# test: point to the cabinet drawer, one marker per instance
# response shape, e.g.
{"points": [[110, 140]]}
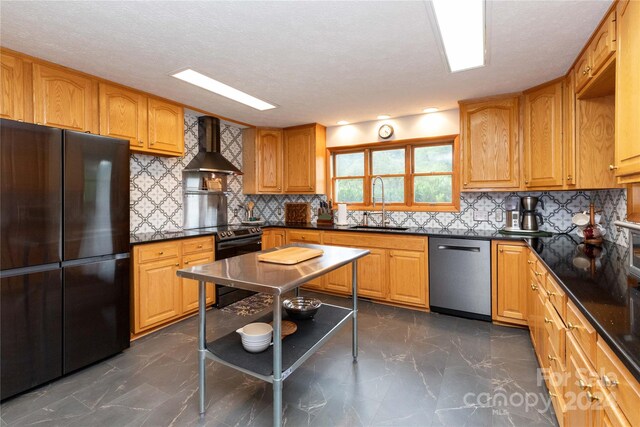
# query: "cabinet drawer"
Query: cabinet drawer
{"points": [[382, 241], [304, 236], [557, 399], [532, 260], [158, 251], [582, 331], [555, 330], [611, 416], [557, 296], [617, 380], [201, 244]]}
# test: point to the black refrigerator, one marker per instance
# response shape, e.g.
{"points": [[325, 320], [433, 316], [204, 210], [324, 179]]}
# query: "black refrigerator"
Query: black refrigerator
{"points": [[64, 270]]}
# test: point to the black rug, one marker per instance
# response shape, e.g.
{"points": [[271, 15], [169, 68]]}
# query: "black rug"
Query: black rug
{"points": [[250, 305]]}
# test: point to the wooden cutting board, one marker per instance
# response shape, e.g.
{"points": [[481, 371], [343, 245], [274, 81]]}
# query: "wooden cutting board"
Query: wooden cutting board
{"points": [[292, 255]]}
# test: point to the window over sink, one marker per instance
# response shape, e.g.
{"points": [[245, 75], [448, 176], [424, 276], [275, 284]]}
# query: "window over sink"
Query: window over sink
{"points": [[418, 175]]}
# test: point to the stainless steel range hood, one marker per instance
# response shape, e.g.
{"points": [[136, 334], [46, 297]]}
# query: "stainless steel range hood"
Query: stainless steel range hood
{"points": [[209, 158]]}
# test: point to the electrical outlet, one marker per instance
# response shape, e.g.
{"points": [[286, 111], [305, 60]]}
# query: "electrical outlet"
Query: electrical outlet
{"points": [[480, 216], [235, 212], [498, 216]]}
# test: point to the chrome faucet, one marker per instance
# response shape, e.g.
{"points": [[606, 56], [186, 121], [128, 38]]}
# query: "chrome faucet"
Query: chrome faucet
{"points": [[383, 219]]}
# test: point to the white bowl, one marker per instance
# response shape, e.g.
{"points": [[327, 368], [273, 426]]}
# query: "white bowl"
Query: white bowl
{"points": [[256, 348], [256, 332], [267, 341]]}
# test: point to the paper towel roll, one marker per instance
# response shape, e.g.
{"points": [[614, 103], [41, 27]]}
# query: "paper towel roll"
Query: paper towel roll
{"points": [[342, 214]]}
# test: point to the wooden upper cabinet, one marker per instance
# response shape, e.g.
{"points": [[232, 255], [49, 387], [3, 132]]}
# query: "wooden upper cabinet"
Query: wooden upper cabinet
{"points": [[511, 283], [166, 128], [269, 161], [490, 144], [543, 137], [64, 99], [627, 131], [123, 114], [582, 71], [11, 87], [304, 155], [603, 44]]}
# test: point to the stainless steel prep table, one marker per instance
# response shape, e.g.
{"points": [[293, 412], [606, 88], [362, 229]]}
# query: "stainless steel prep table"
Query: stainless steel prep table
{"points": [[246, 272]]}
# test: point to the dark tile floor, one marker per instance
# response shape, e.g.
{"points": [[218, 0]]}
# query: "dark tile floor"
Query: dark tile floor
{"points": [[414, 369]]}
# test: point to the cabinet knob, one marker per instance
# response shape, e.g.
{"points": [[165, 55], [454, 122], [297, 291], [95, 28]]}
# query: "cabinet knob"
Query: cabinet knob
{"points": [[529, 261], [548, 321], [140, 142], [177, 264], [569, 178], [537, 273], [501, 250], [465, 184], [588, 68], [551, 358], [186, 262], [151, 142], [553, 394], [550, 294], [199, 246], [612, 167], [592, 397], [161, 253], [534, 287], [526, 182], [571, 326], [608, 382], [583, 385]]}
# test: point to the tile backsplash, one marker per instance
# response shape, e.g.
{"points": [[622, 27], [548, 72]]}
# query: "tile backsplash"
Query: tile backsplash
{"points": [[156, 197]]}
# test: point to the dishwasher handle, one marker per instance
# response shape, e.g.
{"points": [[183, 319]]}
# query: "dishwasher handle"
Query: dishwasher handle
{"points": [[458, 248]]}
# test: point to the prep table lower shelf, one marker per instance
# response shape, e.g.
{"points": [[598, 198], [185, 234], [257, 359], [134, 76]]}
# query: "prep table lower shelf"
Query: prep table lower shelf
{"points": [[296, 348]]}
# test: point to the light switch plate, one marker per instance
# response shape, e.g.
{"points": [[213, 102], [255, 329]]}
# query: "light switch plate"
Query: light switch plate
{"points": [[498, 216], [480, 216]]}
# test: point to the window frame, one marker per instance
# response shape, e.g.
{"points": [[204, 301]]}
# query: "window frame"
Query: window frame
{"points": [[409, 175]]}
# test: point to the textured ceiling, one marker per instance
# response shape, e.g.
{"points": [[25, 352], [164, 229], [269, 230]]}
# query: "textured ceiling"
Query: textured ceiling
{"points": [[318, 61]]}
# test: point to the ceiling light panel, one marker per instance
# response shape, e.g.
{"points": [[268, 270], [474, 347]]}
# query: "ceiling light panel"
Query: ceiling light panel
{"points": [[430, 110], [205, 82], [384, 117], [343, 122], [462, 29]]}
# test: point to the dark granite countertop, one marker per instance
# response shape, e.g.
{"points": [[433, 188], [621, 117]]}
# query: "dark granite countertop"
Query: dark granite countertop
{"points": [[607, 298]]}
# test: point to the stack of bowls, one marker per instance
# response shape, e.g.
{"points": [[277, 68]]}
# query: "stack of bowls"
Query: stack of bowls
{"points": [[256, 337]]}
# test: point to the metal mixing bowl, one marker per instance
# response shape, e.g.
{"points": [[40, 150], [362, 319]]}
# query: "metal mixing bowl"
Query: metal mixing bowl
{"points": [[301, 307]]}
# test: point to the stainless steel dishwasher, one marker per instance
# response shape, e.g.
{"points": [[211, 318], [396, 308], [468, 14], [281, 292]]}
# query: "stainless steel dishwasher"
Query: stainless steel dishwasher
{"points": [[460, 277]]}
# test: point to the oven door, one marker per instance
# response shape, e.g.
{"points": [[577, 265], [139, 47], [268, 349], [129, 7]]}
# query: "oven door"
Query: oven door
{"points": [[237, 247]]}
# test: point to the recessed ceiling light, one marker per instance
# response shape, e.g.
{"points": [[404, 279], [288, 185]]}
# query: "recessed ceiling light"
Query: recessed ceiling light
{"points": [[461, 25], [205, 82], [384, 117], [430, 110], [343, 122]]}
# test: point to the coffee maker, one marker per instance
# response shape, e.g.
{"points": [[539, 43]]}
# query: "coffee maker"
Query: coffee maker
{"points": [[529, 215], [512, 208]]}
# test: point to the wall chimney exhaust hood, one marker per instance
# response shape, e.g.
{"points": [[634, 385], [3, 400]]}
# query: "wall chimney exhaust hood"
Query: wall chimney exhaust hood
{"points": [[209, 158]]}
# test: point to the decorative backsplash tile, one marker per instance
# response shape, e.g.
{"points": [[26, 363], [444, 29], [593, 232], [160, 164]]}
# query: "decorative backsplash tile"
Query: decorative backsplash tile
{"points": [[156, 197]]}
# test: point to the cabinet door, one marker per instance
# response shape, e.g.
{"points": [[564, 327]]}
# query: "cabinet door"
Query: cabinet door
{"points": [[339, 280], [64, 99], [543, 137], [511, 289], [190, 291], [11, 87], [269, 160], [166, 128], [603, 44], [490, 144], [627, 132], [267, 239], [407, 277], [372, 274], [569, 130], [299, 158], [582, 71], [159, 293], [123, 114]]}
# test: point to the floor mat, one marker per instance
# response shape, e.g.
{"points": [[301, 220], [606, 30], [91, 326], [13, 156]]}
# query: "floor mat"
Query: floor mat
{"points": [[250, 305]]}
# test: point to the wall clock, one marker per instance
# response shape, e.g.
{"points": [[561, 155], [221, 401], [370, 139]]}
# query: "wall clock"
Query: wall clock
{"points": [[385, 131]]}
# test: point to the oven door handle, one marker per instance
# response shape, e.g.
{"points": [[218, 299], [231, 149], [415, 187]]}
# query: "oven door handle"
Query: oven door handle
{"points": [[238, 242]]}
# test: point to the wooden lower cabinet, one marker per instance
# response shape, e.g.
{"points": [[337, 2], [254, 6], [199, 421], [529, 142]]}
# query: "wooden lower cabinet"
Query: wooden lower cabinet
{"points": [[395, 271], [190, 290], [273, 238], [159, 296], [579, 389], [407, 271], [159, 292], [510, 282], [307, 236]]}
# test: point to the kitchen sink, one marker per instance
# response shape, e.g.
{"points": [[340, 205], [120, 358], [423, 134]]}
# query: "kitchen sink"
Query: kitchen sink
{"points": [[377, 227]]}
